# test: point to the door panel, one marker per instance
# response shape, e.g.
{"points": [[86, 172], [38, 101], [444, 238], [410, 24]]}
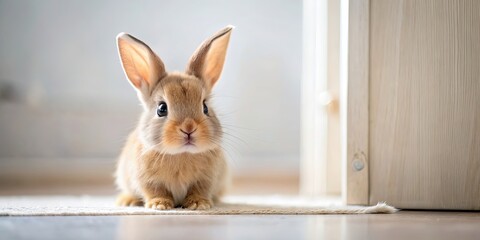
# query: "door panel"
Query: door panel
{"points": [[424, 103]]}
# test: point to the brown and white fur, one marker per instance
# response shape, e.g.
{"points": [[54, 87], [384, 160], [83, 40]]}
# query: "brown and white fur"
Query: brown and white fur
{"points": [[173, 160]]}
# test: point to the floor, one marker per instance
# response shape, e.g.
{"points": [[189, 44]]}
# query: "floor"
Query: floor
{"points": [[402, 225]]}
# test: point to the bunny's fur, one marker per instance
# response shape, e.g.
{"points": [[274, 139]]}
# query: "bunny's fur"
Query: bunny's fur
{"points": [[175, 160]]}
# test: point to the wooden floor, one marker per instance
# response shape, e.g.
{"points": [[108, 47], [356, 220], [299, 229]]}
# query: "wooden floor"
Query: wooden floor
{"points": [[402, 225]]}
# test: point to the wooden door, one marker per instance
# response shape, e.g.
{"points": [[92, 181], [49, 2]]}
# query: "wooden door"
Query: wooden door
{"points": [[419, 135]]}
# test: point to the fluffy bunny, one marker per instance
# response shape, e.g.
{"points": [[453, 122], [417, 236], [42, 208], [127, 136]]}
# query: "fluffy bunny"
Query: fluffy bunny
{"points": [[174, 157]]}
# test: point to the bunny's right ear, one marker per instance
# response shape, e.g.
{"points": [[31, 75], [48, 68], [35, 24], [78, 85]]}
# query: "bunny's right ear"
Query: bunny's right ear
{"points": [[142, 66]]}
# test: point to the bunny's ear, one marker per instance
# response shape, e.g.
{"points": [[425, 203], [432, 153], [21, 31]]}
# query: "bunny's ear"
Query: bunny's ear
{"points": [[142, 66], [207, 61]]}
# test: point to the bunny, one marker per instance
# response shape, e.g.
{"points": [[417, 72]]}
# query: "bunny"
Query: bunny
{"points": [[174, 157]]}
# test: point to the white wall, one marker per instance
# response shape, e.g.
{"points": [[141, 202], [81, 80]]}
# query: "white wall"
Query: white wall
{"points": [[65, 98]]}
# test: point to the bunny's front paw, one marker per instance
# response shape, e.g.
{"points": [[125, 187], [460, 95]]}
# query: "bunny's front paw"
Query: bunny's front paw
{"points": [[124, 200], [159, 203], [194, 202]]}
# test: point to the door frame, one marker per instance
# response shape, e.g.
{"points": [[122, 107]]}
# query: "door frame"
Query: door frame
{"points": [[355, 87], [321, 167]]}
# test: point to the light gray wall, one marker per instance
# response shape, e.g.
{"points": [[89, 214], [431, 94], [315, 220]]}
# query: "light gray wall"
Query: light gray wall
{"points": [[64, 95]]}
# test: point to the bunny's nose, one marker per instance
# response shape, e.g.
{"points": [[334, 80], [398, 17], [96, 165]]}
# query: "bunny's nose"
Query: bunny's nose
{"points": [[188, 126], [188, 133]]}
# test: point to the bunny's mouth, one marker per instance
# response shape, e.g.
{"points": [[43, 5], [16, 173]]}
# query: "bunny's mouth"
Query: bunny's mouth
{"points": [[189, 143]]}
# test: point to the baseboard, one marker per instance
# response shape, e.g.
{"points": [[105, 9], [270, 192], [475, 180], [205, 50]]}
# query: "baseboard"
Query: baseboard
{"points": [[30, 174]]}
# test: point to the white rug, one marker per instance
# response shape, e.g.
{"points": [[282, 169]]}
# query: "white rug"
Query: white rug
{"points": [[102, 206]]}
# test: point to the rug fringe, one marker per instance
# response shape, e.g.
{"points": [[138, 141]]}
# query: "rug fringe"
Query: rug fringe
{"points": [[101, 206]]}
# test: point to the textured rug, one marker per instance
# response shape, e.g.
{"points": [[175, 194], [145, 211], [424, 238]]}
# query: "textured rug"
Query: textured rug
{"points": [[236, 205]]}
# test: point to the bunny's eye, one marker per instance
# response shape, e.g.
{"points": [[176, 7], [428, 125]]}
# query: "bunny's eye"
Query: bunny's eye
{"points": [[205, 108], [162, 110]]}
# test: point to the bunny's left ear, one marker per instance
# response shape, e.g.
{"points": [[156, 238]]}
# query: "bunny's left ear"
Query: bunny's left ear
{"points": [[207, 61]]}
